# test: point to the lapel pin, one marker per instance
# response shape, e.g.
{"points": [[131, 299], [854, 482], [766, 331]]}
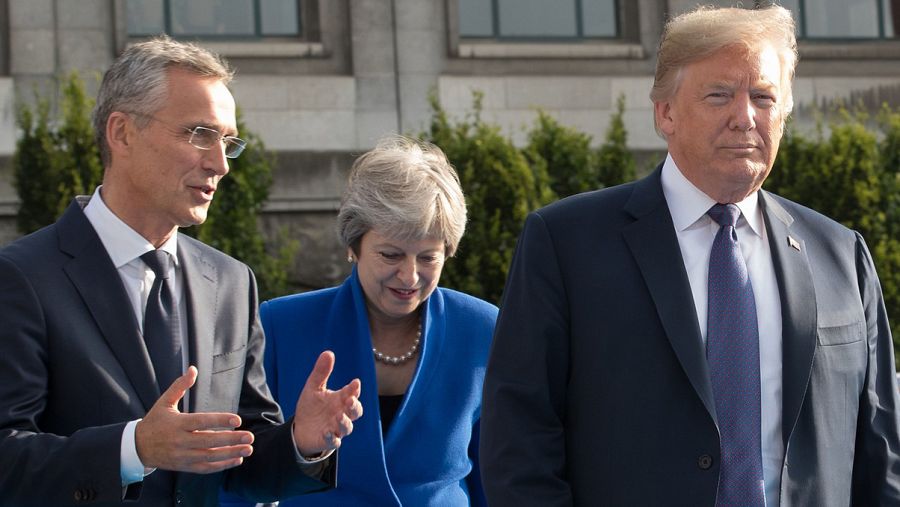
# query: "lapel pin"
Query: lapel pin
{"points": [[794, 243]]}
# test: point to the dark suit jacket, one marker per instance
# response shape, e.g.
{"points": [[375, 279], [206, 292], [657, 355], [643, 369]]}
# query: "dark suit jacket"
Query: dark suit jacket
{"points": [[597, 390], [74, 370]]}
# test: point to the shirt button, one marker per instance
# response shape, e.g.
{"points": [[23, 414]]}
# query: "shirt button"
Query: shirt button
{"points": [[705, 462]]}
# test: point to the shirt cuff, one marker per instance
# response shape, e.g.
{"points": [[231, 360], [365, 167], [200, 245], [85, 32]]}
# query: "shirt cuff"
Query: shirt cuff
{"points": [[132, 470], [304, 460]]}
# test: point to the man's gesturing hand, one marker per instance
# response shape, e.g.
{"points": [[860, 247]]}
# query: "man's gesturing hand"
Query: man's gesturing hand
{"points": [[323, 417], [198, 443]]}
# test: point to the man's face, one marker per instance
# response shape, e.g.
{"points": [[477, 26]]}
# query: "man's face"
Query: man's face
{"points": [[165, 182], [725, 121]]}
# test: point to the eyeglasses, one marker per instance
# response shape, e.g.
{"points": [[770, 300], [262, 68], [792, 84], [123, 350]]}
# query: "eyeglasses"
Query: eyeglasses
{"points": [[205, 138]]}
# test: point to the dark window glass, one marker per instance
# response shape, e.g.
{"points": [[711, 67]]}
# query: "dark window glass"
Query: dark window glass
{"points": [[536, 19], [145, 17], [279, 17], [845, 19], [599, 17], [214, 18], [476, 18]]}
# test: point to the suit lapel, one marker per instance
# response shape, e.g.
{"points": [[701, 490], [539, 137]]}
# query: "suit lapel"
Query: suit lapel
{"points": [[199, 278], [798, 307], [96, 279], [652, 240]]}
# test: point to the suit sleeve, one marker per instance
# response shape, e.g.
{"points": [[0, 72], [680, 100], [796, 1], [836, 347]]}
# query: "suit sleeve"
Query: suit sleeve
{"points": [[272, 472], [473, 480], [523, 441], [876, 467], [39, 468]]}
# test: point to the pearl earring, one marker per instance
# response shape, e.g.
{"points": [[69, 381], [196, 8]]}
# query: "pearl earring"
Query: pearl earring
{"points": [[350, 259]]}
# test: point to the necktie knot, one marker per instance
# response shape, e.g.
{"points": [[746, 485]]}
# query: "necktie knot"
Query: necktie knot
{"points": [[724, 214], [159, 261]]}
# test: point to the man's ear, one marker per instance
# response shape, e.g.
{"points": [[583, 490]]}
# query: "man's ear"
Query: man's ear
{"points": [[662, 111], [120, 132]]}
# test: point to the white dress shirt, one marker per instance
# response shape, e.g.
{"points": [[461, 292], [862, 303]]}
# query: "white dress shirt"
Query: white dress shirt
{"points": [[696, 231], [125, 247]]}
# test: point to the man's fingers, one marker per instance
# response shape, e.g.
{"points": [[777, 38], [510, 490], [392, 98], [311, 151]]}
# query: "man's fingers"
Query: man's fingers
{"points": [[210, 421], [180, 386], [216, 439], [345, 426], [355, 408], [354, 388], [318, 378], [218, 454]]}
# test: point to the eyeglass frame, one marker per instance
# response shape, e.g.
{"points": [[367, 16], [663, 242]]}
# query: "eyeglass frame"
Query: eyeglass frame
{"points": [[228, 141]]}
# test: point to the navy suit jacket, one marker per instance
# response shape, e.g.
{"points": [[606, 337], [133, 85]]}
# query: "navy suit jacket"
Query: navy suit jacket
{"points": [[74, 370], [597, 390]]}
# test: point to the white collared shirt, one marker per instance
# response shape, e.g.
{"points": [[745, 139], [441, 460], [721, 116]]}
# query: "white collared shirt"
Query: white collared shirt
{"points": [[696, 231], [125, 247]]}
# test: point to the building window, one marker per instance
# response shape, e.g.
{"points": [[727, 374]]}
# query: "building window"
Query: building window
{"points": [[538, 19], [214, 19], [845, 19]]}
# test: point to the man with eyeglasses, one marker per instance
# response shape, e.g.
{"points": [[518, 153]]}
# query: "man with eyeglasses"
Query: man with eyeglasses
{"points": [[131, 355]]}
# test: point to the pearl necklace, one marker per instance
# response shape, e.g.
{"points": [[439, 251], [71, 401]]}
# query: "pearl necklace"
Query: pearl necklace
{"points": [[398, 360]]}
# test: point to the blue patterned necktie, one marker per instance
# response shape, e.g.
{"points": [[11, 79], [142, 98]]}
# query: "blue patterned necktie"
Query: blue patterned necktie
{"points": [[732, 347], [162, 327]]}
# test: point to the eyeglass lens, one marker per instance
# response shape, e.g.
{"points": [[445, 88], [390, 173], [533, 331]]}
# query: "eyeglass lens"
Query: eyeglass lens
{"points": [[206, 138]]}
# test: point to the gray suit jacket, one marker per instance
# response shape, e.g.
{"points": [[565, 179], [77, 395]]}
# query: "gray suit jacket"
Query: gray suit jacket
{"points": [[74, 370], [597, 390]]}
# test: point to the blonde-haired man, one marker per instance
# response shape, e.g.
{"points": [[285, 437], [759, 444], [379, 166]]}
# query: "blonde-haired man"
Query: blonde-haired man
{"points": [[690, 339]]}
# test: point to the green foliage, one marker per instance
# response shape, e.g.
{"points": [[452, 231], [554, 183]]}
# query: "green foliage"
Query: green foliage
{"points": [[55, 160], [573, 166], [231, 225], [852, 176], [566, 154], [615, 162], [501, 188]]}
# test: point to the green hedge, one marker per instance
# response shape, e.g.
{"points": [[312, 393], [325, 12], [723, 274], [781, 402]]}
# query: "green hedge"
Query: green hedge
{"points": [[56, 159], [503, 183]]}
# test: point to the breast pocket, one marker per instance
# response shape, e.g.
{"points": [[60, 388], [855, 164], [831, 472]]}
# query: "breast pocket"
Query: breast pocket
{"points": [[229, 360], [840, 330], [227, 379]]}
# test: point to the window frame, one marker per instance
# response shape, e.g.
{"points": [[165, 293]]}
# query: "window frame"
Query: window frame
{"points": [[627, 45], [804, 36], [257, 35], [579, 28]]}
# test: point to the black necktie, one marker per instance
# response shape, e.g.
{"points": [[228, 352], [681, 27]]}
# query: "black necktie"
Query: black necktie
{"points": [[162, 328], [732, 346]]}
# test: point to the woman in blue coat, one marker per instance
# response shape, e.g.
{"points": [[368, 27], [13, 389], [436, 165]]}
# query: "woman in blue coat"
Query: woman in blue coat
{"points": [[419, 349]]}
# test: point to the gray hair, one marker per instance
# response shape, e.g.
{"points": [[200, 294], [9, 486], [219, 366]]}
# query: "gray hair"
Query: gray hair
{"points": [[407, 190], [137, 81], [698, 34]]}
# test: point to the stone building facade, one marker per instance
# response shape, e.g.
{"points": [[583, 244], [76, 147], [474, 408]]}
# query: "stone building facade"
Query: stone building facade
{"points": [[330, 77]]}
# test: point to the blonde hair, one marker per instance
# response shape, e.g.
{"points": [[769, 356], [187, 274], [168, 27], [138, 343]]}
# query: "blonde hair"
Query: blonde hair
{"points": [[697, 34], [407, 190]]}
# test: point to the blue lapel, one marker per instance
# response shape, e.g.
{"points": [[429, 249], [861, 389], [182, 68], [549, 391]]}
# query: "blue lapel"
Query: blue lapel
{"points": [[798, 307], [652, 240], [96, 279], [348, 336]]}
